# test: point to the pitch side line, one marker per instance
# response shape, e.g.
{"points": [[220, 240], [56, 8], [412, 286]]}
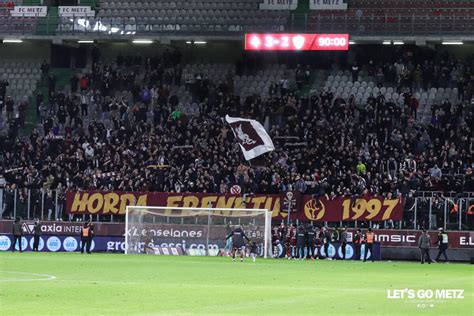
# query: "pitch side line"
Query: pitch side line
{"points": [[47, 277]]}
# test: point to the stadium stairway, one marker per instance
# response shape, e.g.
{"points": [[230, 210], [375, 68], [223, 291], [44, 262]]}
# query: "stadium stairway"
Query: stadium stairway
{"points": [[31, 2], [48, 24], [297, 21], [94, 4], [319, 79]]}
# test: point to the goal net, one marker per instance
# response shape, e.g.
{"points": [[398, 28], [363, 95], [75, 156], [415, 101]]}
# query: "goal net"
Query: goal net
{"points": [[194, 231]]}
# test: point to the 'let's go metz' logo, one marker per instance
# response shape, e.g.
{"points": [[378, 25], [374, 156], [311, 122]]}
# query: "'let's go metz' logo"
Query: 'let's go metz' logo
{"points": [[425, 294]]}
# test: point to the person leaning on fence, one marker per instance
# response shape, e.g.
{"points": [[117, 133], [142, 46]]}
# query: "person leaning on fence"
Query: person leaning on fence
{"points": [[424, 243], [17, 232]]}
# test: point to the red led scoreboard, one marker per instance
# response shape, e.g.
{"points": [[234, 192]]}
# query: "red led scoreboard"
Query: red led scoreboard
{"points": [[297, 42]]}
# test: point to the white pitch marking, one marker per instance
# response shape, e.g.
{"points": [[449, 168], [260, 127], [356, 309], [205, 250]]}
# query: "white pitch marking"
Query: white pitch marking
{"points": [[101, 282], [47, 277]]}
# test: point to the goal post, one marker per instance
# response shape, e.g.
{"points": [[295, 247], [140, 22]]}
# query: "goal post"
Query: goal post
{"points": [[192, 230]]}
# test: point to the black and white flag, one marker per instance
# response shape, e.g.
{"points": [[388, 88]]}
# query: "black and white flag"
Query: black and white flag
{"points": [[252, 137]]}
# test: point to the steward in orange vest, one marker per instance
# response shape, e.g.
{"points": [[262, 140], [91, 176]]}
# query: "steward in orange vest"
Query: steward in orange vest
{"points": [[86, 237], [369, 240]]}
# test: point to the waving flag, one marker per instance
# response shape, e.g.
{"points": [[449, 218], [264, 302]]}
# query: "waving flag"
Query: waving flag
{"points": [[252, 137]]}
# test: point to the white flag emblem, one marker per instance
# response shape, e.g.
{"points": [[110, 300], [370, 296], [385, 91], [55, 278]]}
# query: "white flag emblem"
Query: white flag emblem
{"points": [[251, 136], [298, 41]]}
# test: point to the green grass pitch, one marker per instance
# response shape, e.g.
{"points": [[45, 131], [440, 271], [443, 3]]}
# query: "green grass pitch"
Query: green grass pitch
{"points": [[114, 284]]}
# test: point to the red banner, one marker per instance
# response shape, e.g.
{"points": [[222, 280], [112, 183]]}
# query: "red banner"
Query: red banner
{"points": [[308, 209]]}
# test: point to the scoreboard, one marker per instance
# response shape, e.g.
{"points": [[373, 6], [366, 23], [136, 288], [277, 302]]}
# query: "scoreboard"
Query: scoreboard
{"points": [[296, 42]]}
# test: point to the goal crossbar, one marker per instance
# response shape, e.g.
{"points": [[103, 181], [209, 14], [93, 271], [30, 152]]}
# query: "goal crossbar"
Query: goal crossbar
{"points": [[197, 208]]}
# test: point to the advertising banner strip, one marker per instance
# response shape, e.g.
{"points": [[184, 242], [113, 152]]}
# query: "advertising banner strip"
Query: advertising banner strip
{"points": [[195, 234], [308, 208], [63, 243], [117, 244]]}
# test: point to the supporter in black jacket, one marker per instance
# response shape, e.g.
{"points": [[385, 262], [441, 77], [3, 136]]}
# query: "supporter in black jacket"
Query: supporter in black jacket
{"points": [[343, 241], [36, 235], [326, 239], [17, 233], [238, 243], [310, 242], [300, 242]]}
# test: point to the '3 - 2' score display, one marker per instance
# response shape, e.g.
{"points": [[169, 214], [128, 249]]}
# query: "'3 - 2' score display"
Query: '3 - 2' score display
{"points": [[296, 42]]}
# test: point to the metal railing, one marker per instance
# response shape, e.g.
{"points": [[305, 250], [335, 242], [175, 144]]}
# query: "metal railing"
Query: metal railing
{"points": [[29, 204], [369, 25], [424, 211], [436, 212]]}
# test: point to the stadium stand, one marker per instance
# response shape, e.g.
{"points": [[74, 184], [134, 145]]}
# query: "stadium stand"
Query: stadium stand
{"points": [[156, 124], [397, 17], [22, 76], [231, 17], [130, 17], [18, 79], [15, 25]]}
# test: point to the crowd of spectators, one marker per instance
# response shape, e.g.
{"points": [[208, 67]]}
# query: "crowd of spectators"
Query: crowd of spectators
{"points": [[120, 127]]}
